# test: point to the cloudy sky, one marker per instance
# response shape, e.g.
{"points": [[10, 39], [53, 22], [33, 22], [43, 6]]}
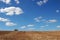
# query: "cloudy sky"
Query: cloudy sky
{"points": [[27, 15]]}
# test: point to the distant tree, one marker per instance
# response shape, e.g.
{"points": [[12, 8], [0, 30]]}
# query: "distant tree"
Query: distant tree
{"points": [[16, 30]]}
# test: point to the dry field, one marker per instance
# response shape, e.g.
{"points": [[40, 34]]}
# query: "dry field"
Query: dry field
{"points": [[31, 35]]}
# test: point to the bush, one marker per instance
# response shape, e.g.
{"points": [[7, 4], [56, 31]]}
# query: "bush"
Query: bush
{"points": [[16, 30]]}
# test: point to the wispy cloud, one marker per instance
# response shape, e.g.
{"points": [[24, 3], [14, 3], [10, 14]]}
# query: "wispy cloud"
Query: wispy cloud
{"points": [[57, 11], [43, 26], [17, 1], [45, 1], [38, 19], [39, 3], [23, 27], [52, 21], [44, 20], [30, 25], [42, 2], [11, 11], [27, 26], [58, 26], [9, 1], [6, 1]]}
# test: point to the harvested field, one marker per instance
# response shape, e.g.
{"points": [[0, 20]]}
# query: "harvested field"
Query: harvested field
{"points": [[31, 35]]}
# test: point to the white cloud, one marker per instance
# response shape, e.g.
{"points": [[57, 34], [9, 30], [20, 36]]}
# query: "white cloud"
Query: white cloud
{"points": [[17, 1], [6, 1], [11, 10], [23, 27], [9, 1], [27, 26], [10, 24], [58, 26], [52, 21], [45, 1], [42, 2], [41, 19], [7, 22], [38, 19], [4, 19], [57, 11], [43, 26], [30, 25]]}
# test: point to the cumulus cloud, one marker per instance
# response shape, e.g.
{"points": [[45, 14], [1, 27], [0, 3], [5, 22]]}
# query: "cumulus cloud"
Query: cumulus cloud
{"points": [[4, 19], [42, 2], [52, 21], [10, 24], [11, 11], [6, 1]]}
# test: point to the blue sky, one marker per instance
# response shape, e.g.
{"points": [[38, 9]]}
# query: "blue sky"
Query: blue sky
{"points": [[27, 15]]}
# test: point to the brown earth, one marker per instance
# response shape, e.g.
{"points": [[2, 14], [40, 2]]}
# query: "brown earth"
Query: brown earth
{"points": [[31, 35]]}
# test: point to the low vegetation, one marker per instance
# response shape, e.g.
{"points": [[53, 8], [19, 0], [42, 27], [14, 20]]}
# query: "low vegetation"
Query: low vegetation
{"points": [[31, 35]]}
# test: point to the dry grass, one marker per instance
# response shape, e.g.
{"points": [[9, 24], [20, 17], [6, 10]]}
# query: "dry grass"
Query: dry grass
{"points": [[20, 35]]}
